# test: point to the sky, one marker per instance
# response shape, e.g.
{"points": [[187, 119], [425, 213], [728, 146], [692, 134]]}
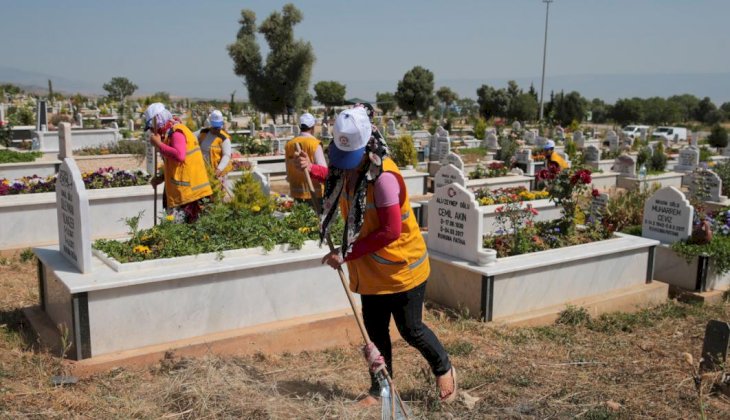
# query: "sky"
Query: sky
{"points": [[606, 48]]}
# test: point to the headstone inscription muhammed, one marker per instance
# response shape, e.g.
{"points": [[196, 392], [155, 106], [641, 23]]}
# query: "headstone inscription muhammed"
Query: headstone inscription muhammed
{"points": [[706, 185], [448, 174], [455, 223], [72, 211], [667, 216]]}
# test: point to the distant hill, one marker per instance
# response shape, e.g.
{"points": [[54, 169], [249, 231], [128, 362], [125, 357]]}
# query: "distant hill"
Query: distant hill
{"points": [[608, 87]]}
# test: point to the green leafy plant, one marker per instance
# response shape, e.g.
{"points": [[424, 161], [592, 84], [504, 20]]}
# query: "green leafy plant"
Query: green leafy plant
{"points": [[480, 128], [508, 149], [403, 151], [122, 147], [26, 255], [658, 160], [11, 156]]}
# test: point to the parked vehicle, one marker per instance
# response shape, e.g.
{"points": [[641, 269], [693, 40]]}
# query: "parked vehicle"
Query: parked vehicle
{"points": [[670, 133], [633, 131]]}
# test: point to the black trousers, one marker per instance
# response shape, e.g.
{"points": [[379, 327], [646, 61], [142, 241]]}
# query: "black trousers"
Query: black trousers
{"points": [[407, 311]]}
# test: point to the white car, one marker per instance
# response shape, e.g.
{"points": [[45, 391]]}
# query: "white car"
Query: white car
{"points": [[670, 133], [633, 131]]}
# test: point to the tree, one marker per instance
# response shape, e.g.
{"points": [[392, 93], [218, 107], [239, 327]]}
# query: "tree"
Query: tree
{"points": [[492, 102], [467, 107], [163, 97], [329, 94], [704, 110], [415, 91], [513, 90], [532, 91], [446, 96], [627, 111], [119, 88], [281, 83], [718, 137], [523, 107], [600, 111], [568, 108], [687, 105], [385, 101]]}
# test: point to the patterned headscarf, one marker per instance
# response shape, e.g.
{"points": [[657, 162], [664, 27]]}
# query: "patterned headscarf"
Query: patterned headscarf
{"points": [[368, 172], [165, 120]]}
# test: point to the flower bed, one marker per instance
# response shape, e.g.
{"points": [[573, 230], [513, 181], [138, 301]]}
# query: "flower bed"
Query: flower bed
{"points": [[101, 178], [493, 170], [11, 156], [487, 196]]}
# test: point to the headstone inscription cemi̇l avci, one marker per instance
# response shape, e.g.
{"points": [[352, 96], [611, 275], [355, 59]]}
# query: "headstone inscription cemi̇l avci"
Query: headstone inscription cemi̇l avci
{"points": [[448, 174], [667, 216], [455, 223], [72, 211]]}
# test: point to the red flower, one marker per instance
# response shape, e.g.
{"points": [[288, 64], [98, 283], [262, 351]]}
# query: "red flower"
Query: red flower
{"points": [[583, 176], [595, 193]]}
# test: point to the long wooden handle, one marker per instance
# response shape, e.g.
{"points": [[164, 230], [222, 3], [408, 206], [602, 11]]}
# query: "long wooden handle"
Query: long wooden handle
{"points": [[343, 278], [154, 172]]}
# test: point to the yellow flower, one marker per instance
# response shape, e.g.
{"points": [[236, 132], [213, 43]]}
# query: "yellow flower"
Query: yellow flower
{"points": [[170, 217], [304, 230], [255, 208], [141, 249]]}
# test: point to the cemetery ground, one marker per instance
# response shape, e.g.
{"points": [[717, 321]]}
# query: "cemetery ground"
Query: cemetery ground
{"points": [[613, 366]]}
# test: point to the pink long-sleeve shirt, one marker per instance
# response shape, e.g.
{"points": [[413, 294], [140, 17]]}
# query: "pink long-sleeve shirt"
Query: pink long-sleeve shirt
{"points": [[177, 149]]}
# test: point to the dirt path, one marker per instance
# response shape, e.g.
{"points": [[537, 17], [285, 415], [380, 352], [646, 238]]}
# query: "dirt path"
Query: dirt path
{"points": [[619, 366]]}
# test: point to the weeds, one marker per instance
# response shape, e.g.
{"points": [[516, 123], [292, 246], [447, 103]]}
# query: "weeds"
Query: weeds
{"points": [[573, 315], [27, 255]]}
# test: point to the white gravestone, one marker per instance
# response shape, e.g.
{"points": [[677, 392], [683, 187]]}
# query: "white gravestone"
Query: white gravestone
{"points": [[612, 139], [262, 180], [592, 153], [391, 127], [72, 211], [448, 174], [687, 160], [524, 160], [710, 182], [578, 139], [443, 150], [80, 119], [150, 152], [455, 223], [491, 142], [540, 141], [667, 216], [252, 129], [559, 133], [2, 113], [625, 165], [529, 137], [599, 204], [130, 125], [65, 147], [516, 126], [454, 159]]}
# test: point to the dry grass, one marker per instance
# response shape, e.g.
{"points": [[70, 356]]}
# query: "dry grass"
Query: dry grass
{"points": [[619, 366]]}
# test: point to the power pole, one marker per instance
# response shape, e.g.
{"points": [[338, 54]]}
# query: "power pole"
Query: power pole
{"points": [[544, 54]]}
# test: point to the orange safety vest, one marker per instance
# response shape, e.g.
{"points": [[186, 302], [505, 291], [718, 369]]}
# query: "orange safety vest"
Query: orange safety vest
{"points": [[186, 181], [558, 160], [297, 180], [399, 266], [216, 149]]}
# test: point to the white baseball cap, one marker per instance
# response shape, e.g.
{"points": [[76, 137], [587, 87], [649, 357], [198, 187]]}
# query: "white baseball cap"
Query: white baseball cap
{"points": [[352, 132], [216, 119], [549, 145], [307, 120]]}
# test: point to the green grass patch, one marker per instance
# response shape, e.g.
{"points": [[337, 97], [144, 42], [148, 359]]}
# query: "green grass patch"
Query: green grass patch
{"points": [[11, 156], [459, 348]]}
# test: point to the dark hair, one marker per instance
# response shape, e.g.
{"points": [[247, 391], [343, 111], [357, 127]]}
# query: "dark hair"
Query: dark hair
{"points": [[370, 110], [303, 127]]}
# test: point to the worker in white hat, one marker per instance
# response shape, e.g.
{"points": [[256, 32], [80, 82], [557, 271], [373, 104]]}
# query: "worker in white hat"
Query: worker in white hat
{"points": [[553, 159], [382, 245], [215, 143], [310, 157]]}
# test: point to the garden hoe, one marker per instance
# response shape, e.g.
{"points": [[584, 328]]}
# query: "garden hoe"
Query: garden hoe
{"points": [[392, 406], [154, 172]]}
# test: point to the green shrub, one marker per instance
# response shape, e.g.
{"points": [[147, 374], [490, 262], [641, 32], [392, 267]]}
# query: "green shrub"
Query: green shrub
{"points": [[718, 137], [480, 128], [705, 154], [26, 255], [11, 156], [122, 147], [573, 315], [508, 149], [402, 151], [723, 171], [658, 161]]}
